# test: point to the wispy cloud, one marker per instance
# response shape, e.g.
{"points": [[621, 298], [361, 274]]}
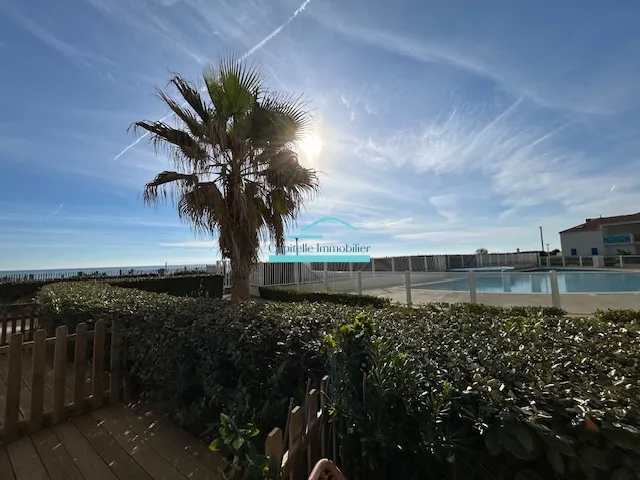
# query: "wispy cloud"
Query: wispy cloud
{"points": [[488, 54], [246, 55], [446, 205], [73, 53]]}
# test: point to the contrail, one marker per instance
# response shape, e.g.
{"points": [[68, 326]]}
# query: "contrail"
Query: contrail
{"points": [[250, 52], [54, 213], [57, 209]]}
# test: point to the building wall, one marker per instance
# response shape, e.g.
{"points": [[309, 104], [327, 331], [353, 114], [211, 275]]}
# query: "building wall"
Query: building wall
{"points": [[632, 228], [583, 242], [626, 228]]}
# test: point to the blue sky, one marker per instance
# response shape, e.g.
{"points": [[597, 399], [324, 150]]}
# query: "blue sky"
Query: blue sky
{"points": [[445, 126]]}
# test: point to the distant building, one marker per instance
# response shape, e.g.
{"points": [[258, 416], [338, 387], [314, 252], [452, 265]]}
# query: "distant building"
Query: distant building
{"points": [[603, 236]]}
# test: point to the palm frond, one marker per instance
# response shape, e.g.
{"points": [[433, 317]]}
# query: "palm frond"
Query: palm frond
{"points": [[165, 183], [195, 126], [192, 96], [163, 134]]}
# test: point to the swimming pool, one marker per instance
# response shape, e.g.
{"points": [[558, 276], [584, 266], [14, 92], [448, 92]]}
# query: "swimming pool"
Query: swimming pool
{"points": [[539, 282]]}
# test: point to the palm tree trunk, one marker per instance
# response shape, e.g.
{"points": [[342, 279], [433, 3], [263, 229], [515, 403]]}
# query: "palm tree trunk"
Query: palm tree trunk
{"points": [[239, 281]]}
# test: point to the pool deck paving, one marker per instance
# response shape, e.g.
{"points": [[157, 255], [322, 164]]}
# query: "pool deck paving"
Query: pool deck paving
{"points": [[572, 303]]}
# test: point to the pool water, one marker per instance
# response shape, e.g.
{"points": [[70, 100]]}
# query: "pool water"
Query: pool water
{"points": [[539, 282]]}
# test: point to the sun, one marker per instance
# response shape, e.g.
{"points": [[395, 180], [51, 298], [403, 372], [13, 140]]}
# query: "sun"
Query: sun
{"points": [[309, 148]]}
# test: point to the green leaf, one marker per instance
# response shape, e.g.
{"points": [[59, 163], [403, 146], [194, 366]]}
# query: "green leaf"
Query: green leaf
{"points": [[214, 446], [595, 457], [561, 444], [238, 443], [527, 475], [555, 459], [622, 474], [492, 442], [524, 437]]}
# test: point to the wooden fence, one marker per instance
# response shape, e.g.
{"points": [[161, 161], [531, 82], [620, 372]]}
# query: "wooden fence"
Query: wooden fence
{"points": [[43, 390], [21, 317], [307, 436]]}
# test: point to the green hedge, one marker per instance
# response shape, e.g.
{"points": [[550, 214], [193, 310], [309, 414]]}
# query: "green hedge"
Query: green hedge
{"points": [[180, 286], [623, 316], [13, 291], [447, 392], [287, 295]]}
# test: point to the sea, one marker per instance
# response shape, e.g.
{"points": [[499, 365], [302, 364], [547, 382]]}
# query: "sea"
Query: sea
{"points": [[66, 272]]}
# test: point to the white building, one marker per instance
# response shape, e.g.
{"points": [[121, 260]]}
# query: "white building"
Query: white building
{"points": [[603, 236]]}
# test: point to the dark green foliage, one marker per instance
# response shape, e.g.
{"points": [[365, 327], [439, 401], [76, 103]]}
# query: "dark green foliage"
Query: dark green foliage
{"points": [[236, 444], [460, 391], [348, 299], [196, 358], [627, 316], [153, 282], [484, 396], [180, 286], [13, 291], [483, 309]]}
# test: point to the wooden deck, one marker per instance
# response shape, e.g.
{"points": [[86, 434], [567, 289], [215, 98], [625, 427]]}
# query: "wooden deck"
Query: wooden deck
{"points": [[116, 442]]}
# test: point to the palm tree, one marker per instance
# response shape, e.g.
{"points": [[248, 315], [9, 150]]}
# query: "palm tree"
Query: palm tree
{"points": [[236, 174]]}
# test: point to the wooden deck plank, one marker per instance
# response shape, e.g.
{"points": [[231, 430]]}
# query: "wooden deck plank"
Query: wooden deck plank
{"points": [[118, 460], [154, 463], [6, 469], [193, 445], [88, 461], [25, 460], [54, 455], [164, 441]]}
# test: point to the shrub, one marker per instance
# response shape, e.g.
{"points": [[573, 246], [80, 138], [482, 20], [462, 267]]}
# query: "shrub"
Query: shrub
{"points": [[490, 396], [483, 309], [180, 286], [287, 295], [197, 358], [444, 391], [13, 291], [623, 316], [180, 283]]}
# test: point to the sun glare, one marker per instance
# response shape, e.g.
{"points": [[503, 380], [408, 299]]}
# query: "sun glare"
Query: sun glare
{"points": [[309, 149]]}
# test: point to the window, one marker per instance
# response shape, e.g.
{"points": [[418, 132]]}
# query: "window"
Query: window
{"points": [[594, 251], [574, 252]]}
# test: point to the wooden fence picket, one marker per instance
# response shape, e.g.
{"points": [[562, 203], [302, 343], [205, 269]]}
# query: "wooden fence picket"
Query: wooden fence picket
{"points": [[59, 373], [98, 364], [306, 436], [46, 407], [38, 367], [12, 408], [79, 366]]}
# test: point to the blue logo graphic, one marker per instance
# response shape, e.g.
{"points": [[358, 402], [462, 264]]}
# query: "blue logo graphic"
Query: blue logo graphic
{"points": [[304, 252]]}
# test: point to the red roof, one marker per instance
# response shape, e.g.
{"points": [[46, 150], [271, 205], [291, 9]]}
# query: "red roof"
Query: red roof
{"points": [[591, 224]]}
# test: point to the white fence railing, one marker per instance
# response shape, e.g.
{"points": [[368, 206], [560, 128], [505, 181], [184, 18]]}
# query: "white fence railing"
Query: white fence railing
{"points": [[93, 274], [574, 291]]}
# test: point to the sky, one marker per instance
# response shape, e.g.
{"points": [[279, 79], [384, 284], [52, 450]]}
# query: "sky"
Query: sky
{"points": [[440, 127]]}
